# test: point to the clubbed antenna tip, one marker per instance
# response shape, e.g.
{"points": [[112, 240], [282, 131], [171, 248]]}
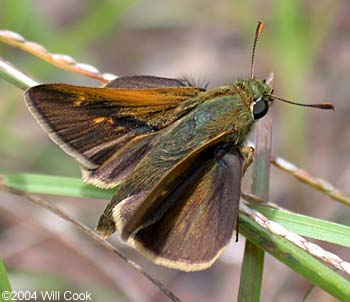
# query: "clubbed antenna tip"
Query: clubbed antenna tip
{"points": [[258, 32]]}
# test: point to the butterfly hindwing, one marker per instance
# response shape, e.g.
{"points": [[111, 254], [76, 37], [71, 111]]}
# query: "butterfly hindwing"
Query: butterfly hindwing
{"points": [[153, 206], [158, 170], [117, 167], [144, 82], [198, 224]]}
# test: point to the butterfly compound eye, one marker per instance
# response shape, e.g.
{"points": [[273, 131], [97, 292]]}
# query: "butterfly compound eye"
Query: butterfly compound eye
{"points": [[260, 109]]}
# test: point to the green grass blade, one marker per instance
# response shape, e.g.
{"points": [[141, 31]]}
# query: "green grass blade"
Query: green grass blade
{"points": [[251, 273], [4, 282], [55, 185], [296, 258], [308, 226], [253, 260]]}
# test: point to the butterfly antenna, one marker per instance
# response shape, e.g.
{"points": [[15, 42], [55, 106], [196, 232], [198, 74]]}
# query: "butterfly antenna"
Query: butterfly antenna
{"points": [[325, 106], [258, 32]]}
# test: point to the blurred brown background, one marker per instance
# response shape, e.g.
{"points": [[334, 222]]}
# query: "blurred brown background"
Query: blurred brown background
{"points": [[305, 43]]}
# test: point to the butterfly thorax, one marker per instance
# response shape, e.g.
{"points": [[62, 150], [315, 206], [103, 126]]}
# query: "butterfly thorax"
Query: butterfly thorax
{"points": [[228, 108]]}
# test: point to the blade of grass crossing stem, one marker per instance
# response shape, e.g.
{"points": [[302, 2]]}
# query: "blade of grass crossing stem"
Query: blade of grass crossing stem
{"points": [[253, 261], [297, 259], [4, 284], [308, 226]]}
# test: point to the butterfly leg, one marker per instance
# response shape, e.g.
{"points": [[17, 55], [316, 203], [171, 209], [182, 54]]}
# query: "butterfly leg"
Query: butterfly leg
{"points": [[247, 154]]}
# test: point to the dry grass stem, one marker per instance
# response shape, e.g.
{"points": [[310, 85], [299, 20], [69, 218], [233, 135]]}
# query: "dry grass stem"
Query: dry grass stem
{"points": [[315, 182], [63, 61]]}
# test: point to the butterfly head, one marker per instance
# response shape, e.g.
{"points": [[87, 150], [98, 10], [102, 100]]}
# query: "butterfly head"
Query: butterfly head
{"points": [[260, 97]]}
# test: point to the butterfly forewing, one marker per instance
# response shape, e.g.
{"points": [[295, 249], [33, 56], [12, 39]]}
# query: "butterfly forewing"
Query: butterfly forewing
{"points": [[92, 124]]}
